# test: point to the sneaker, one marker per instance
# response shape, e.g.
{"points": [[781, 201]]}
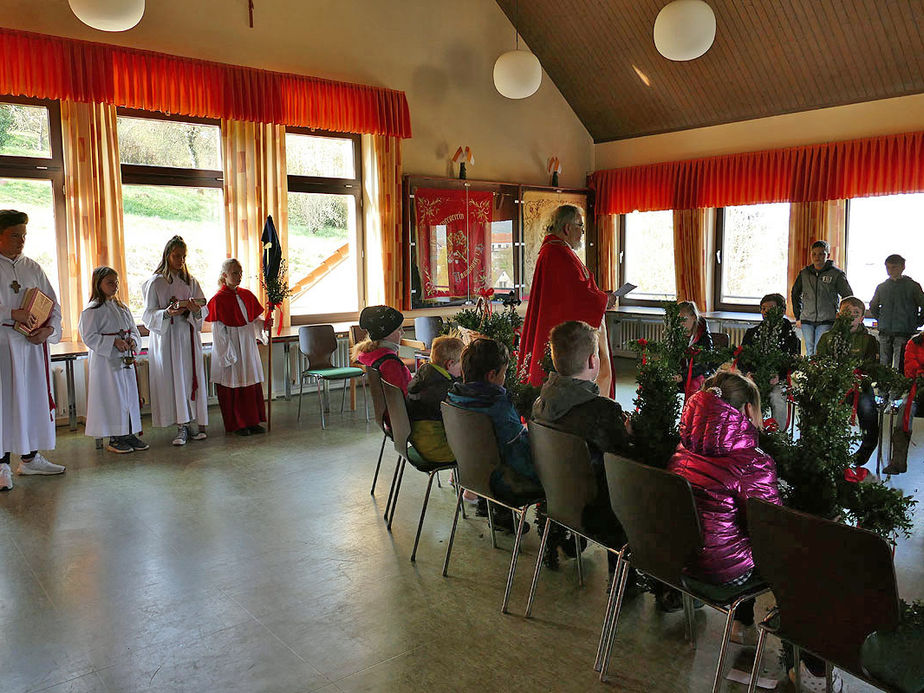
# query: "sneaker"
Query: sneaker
{"points": [[743, 635], [817, 684], [892, 469], [39, 465], [136, 442], [6, 477], [199, 434], [182, 435], [503, 521], [257, 429], [120, 446]]}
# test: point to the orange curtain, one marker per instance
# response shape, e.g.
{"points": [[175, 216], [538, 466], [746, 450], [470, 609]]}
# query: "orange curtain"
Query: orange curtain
{"points": [[815, 221], [607, 252], [52, 67], [387, 266], [692, 256], [255, 186], [874, 166], [93, 194]]}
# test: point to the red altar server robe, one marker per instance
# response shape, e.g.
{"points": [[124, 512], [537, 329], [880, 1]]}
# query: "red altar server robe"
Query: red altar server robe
{"points": [[563, 289]]}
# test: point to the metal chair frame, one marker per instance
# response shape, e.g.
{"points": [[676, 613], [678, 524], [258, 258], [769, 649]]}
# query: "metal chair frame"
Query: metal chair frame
{"points": [[662, 481], [306, 334], [401, 433], [473, 475]]}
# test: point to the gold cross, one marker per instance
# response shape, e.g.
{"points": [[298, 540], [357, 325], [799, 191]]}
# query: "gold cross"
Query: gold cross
{"points": [[15, 286]]}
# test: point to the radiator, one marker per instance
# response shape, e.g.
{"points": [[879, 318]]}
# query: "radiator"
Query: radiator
{"points": [[626, 331], [735, 333]]}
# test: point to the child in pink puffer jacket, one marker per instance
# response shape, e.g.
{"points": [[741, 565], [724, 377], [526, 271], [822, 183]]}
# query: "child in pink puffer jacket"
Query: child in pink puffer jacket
{"points": [[718, 455]]}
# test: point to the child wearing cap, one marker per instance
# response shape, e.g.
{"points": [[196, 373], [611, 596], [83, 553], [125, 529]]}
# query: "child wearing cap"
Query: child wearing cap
{"points": [[383, 325]]}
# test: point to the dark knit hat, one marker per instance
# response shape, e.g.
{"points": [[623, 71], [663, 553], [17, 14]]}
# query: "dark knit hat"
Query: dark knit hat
{"points": [[380, 321]]}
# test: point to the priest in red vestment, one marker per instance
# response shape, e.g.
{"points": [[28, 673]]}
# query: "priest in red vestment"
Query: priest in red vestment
{"points": [[237, 371], [563, 289]]}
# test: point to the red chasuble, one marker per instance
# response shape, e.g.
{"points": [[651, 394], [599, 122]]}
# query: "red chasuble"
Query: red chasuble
{"points": [[224, 308], [563, 289]]}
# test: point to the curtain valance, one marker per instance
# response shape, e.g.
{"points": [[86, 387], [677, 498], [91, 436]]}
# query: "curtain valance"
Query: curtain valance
{"points": [[838, 170], [52, 67]]}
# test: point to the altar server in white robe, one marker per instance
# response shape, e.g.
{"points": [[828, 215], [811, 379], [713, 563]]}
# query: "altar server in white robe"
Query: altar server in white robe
{"points": [[26, 403], [174, 308], [237, 371], [109, 331]]}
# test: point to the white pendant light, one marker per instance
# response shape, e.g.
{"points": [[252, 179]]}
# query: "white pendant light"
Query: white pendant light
{"points": [[684, 29], [108, 15], [517, 74]]}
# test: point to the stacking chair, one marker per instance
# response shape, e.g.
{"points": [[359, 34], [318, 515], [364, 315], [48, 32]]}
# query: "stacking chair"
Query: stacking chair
{"points": [[401, 432], [836, 597], [380, 411], [562, 462], [318, 344], [426, 329], [658, 513], [471, 437]]}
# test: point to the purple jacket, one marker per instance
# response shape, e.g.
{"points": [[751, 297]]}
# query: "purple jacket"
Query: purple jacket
{"points": [[718, 455]]}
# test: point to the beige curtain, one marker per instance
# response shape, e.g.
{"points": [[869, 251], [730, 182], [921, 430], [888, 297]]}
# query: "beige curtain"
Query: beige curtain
{"points": [[607, 252], [255, 186], [387, 274], [693, 250], [93, 198], [816, 221]]}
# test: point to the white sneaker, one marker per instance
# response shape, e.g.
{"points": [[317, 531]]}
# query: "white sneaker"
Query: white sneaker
{"points": [[6, 477], [199, 434], [39, 465], [182, 435], [817, 684]]}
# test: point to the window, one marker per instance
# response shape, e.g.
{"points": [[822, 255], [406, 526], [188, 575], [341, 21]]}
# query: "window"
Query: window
{"points": [[325, 197], [32, 176], [171, 185], [878, 227], [646, 240], [752, 249]]}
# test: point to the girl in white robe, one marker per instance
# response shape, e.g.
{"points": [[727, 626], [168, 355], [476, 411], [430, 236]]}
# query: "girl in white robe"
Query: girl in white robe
{"points": [[174, 308], [109, 331]]}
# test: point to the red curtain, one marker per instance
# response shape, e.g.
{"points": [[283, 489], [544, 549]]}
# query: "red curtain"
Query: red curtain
{"points": [[466, 216], [856, 168], [51, 67]]}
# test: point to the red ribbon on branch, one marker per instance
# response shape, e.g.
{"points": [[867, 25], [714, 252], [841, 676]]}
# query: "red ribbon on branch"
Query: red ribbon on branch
{"points": [[486, 294], [855, 391], [771, 425], [691, 352], [855, 474], [643, 343], [736, 354]]}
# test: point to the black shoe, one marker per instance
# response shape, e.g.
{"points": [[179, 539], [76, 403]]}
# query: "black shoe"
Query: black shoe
{"points": [[568, 546], [119, 446], [257, 429], [136, 442], [671, 600], [243, 432], [503, 520], [481, 510]]}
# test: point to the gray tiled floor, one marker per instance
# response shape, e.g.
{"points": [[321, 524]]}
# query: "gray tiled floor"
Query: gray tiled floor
{"points": [[263, 564]]}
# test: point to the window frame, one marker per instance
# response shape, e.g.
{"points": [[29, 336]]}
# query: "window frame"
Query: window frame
{"points": [[627, 300], [335, 186], [44, 168]]}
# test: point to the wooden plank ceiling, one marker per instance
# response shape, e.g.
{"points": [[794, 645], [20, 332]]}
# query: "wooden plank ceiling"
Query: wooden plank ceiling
{"points": [[769, 57]]}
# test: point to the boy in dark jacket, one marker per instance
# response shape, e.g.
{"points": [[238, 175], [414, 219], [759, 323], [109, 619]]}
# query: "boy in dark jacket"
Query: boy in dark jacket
{"points": [[426, 391], [862, 349], [898, 305], [484, 367], [570, 401]]}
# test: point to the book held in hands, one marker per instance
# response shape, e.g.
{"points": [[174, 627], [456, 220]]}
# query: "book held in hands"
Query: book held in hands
{"points": [[39, 305]]}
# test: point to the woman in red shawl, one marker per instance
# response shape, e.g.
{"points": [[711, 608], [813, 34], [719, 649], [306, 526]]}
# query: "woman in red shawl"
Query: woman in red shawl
{"points": [[237, 370], [563, 289]]}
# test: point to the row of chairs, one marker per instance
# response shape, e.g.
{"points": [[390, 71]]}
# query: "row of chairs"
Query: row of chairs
{"points": [[834, 585]]}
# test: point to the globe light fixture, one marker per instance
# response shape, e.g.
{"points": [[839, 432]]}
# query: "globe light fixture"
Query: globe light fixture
{"points": [[108, 15], [517, 74], [684, 29]]}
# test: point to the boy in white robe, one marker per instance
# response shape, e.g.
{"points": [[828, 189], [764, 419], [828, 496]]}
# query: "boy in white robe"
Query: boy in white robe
{"points": [[174, 308], [237, 371], [109, 331], [27, 409]]}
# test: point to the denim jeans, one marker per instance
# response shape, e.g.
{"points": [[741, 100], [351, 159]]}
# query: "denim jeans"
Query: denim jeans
{"points": [[892, 350], [811, 334], [868, 418]]}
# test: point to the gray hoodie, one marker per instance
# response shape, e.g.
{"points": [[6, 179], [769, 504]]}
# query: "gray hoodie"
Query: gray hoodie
{"points": [[816, 293], [898, 305]]}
